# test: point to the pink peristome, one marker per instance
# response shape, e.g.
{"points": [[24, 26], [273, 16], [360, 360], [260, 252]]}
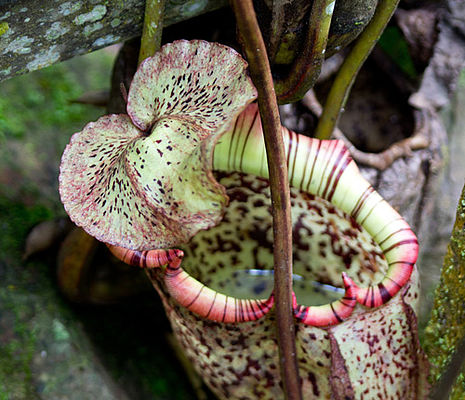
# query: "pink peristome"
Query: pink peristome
{"points": [[206, 303], [329, 314], [146, 259], [402, 254]]}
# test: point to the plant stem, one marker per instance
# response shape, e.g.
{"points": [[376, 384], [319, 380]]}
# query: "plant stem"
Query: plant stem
{"points": [[307, 65], [152, 29], [280, 198], [345, 78]]}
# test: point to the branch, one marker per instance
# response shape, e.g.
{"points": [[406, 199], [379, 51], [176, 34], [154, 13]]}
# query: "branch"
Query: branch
{"points": [[345, 78], [380, 161], [280, 198], [61, 29], [152, 29]]}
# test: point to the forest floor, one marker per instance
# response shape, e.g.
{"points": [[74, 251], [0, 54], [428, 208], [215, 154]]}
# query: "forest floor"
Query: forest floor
{"points": [[49, 347]]}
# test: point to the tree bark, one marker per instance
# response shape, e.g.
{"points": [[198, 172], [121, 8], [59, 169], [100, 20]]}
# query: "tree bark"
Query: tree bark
{"points": [[35, 34]]}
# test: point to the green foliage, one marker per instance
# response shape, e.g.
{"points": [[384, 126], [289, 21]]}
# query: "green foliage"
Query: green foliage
{"points": [[45, 94], [394, 45], [43, 99]]}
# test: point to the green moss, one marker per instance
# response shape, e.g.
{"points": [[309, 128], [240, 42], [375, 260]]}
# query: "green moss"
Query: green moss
{"points": [[446, 327], [15, 221], [17, 347], [4, 28], [15, 373], [459, 388]]}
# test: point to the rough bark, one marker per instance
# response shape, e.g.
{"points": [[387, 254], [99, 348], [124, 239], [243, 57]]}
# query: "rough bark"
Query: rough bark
{"points": [[37, 34]]}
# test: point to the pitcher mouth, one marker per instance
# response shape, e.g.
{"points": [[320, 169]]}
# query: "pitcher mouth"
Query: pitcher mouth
{"points": [[215, 306], [342, 246], [158, 191]]}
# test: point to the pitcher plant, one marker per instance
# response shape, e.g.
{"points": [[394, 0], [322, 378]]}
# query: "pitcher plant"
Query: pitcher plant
{"points": [[179, 187]]}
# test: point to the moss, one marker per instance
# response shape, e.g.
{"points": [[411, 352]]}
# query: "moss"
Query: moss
{"points": [[96, 14], [4, 28], [17, 347], [15, 372], [446, 327], [15, 221], [459, 389]]}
